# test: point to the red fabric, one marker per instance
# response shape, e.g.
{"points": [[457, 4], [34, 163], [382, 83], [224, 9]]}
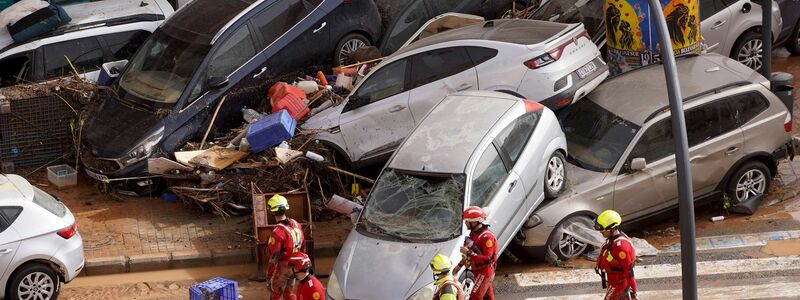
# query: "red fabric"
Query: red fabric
{"points": [[617, 258], [282, 287], [617, 293], [486, 245], [293, 104], [280, 89], [282, 244], [483, 284], [451, 282], [310, 289]]}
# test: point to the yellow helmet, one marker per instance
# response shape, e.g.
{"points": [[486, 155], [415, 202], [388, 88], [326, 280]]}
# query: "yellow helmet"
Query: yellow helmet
{"points": [[278, 203], [441, 264], [607, 220]]}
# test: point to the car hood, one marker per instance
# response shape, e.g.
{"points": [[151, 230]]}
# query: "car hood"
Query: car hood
{"points": [[581, 180], [368, 267], [114, 129], [325, 119]]}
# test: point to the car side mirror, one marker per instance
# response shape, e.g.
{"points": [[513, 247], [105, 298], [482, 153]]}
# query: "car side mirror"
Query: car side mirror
{"points": [[746, 8], [217, 82], [638, 164]]}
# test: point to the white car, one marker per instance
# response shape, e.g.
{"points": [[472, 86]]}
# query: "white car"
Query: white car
{"points": [[476, 148], [552, 63], [100, 32], [39, 243]]}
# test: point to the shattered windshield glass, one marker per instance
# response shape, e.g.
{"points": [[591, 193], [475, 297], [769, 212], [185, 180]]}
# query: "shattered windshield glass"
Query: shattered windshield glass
{"points": [[596, 137], [162, 68], [410, 208], [588, 12]]}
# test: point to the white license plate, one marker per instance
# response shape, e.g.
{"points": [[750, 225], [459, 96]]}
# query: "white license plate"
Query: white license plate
{"points": [[586, 70], [96, 176]]}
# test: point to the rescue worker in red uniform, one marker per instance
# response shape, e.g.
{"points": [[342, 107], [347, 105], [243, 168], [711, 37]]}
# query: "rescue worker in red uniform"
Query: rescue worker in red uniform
{"points": [[309, 287], [617, 257], [284, 240], [447, 288], [479, 253]]}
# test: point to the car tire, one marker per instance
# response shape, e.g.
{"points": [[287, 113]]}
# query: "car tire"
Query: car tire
{"points": [[793, 44], [41, 279], [467, 281], [348, 45], [564, 245], [746, 50], [555, 175], [751, 180]]}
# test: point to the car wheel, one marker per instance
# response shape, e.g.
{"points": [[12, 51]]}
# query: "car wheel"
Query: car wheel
{"points": [[748, 50], [793, 45], [555, 175], [347, 46], [750, 181], [467, 280], [34, 282], [563, 244]]}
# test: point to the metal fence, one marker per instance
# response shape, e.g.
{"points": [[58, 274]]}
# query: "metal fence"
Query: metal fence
{"points": [[35, 131]]}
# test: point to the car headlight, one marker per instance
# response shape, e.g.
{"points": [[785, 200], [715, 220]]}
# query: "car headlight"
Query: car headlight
{"points": [[334, 290], [424, 293], [145, 148]]}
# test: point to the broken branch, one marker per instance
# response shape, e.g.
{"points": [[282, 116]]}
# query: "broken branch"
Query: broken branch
{"points": [[211, 124], [352, 174]]}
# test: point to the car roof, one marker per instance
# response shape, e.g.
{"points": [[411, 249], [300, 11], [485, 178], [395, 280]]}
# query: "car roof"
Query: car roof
{"points": [[445, 139], [646, 87], [515, 31], [14, 188], [201, 20], [90, 13]]}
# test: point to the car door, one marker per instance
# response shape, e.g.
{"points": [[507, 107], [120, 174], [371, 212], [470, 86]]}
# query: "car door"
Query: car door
{"points": [[9, 238], [285, 29], [376, 117], [413, 16], [497, 189], [638, 193], [715, 23], [437, 73]]}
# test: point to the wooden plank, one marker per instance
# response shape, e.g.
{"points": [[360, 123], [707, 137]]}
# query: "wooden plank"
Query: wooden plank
{"points": [[218, 158], [163, 165], [185, 156]]}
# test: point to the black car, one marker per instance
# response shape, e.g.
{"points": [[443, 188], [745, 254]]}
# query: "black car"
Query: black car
{"points": [[790, 33], [206, 51]]}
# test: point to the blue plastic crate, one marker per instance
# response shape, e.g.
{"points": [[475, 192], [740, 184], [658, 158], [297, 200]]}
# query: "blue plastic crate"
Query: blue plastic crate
{"points": [[270, 131], [215, 289]]}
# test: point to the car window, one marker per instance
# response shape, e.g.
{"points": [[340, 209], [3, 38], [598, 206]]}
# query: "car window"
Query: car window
{"points": [[237, 50], [512, 139], [727, 117], [436, 64], [590, 13], [748, 106], [703, 123], [278, 18], [480, 55], [314, 3], [17, 68], [122, 45], [728, 2], [48, 202], [406, 25], [487, 177], [708, 8], [10, 213], [656, 143], [85, 54], [385, 82]]}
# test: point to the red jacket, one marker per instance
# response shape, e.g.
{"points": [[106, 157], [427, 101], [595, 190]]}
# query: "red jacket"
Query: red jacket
{"points": [[310, 289], [483, 253], [285, 239], [617, 258]]}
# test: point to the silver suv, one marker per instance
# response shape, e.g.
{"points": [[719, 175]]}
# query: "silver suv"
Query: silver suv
{"points": [[621, 152]]}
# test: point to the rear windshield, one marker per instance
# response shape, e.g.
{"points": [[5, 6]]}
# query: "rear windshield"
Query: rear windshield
{"points": [[49, 202], [588, 12]]}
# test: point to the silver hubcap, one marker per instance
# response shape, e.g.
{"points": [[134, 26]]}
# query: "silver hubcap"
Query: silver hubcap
{"points": [[751, 184], [750, 54], [36, 286], [555, 173], [570, 246], [348, 49]]}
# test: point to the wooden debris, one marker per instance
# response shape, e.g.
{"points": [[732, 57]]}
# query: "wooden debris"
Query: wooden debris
{"points": [[185, 157], [163, 165], [286, 155], [218, 158]]}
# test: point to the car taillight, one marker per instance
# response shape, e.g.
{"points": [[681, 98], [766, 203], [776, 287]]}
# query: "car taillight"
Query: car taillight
{"points": [[787, 124], [563, 102], [68, 232], [554, 54], [531, 106]]}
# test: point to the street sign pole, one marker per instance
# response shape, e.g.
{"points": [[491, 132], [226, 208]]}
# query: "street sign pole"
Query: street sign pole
{"points": [[688, 258], [766, 39]]}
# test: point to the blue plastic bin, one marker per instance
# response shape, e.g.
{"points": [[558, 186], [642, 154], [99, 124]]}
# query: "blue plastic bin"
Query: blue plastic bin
{"points": [[215, 288], [270, 131]]}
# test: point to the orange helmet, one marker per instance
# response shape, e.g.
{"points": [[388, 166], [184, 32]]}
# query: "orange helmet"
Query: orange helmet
{"points": [[300, 262], [474, 214]]}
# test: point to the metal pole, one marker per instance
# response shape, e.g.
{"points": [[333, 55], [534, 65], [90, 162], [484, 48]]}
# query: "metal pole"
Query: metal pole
{"points": [[766, 38], [686, 204]]}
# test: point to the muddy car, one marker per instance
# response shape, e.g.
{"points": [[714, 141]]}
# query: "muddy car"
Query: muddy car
{"points": [[621, 149], [475, 148], [209, 50]]}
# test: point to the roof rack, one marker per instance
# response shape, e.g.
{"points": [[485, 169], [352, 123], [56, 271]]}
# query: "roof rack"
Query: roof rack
{"points": [[715, 90]]}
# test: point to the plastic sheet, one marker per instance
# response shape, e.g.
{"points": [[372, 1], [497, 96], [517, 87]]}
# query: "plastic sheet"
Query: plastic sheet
{"points": [[586, 234]]}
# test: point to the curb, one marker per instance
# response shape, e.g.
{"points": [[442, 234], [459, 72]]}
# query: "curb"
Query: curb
{"points": [[183, 259]]}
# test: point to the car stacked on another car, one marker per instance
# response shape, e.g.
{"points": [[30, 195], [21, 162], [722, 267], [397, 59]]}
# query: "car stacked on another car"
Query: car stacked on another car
{"points": [[621, 149], [552, 63], [475, 148]]}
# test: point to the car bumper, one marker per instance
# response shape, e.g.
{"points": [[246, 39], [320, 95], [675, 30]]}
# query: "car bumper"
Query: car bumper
{"points": [[70, 257], [580, 88]]}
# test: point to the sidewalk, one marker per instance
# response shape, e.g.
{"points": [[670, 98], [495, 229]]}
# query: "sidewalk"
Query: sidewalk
{"points": [[134, 234]]}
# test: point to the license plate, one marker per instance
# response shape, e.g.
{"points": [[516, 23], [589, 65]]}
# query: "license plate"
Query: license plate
{"points": [[96, 176], [586, 70]]}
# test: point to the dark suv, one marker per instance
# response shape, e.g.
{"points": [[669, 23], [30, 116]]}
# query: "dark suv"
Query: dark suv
{"points": [[210, 49]]}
